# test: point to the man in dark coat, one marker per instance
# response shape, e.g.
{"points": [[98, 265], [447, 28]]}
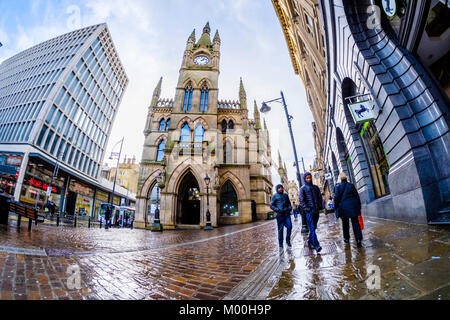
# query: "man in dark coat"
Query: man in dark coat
{"points": [[311, 202], [348, 206], [107, 217], [281, 204]]}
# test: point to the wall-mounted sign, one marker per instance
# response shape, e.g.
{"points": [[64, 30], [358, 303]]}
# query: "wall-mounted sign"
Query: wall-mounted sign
{"points": [[389, 7], [327, 176], [39, 184], [362, 111], [14, 160]]}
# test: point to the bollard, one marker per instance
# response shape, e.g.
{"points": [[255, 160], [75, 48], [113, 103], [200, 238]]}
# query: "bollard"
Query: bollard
{"points": [[101, 223], [75, 221], [89, 222], [57, 220]]}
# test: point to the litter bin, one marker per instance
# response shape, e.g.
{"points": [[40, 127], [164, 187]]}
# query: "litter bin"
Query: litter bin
{"points": [[4, 208]]}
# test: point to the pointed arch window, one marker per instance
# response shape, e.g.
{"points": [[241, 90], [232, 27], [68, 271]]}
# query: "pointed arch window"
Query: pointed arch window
{"points": [[161, 147], [199, 133], [167, 125], [185, 133], [228, 201], [188, 98], [231, 125], [204, 99], [224, 126], [161, 125]]}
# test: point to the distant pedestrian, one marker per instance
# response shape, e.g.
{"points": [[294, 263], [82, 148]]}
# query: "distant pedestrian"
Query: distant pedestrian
{"points": [[330, 205], [52, 208], [295, 211], [348, 206], [311, 202], [107, 217], [281, 204]]}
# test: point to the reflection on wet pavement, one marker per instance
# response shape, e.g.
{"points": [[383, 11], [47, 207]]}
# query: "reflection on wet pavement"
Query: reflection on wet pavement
{"points": [[412, 261]]}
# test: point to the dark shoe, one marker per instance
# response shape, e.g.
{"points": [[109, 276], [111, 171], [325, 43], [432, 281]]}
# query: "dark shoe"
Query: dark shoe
{"points": [[359, 243], [346, 240], [319, 249], [289, 244], [305, 229]]}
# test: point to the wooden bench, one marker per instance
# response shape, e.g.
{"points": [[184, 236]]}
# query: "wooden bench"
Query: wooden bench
{"points": [[25, 211]]}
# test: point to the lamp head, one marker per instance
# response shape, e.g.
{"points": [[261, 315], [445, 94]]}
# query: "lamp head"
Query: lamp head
{"points": [[207, 180], [265, 108]]}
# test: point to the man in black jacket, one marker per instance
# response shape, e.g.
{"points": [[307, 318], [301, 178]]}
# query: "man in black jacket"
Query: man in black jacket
{"points": [[281, 204], [311, 202]]}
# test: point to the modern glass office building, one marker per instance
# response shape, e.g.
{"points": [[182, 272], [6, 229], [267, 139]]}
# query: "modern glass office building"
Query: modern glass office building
{"points": [[58, 101]]}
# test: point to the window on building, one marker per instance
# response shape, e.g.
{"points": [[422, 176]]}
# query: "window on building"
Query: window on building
{"points": [[309, 25], [224, 126], [227, 152], [228, 201], [161, 147], [199, 132], [167, 125], [188, 99], [161, 125], [185, 133], [231, 125], [204, 99]]}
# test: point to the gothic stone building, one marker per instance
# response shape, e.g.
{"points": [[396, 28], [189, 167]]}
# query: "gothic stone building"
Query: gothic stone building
{"points": [[197, 135]]}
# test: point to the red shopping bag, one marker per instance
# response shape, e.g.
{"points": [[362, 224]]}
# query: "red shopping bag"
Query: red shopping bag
{"points": [[361, 222]]}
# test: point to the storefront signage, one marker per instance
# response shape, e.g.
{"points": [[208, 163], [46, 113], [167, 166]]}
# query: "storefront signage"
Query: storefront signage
{"points": [[362, 111], [80, 189], [40, 184], [389, 7], [14, 160]]}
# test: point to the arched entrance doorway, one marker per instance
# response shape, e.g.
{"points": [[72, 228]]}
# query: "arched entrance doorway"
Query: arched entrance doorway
{"points": [[153, 201], [228, 201], [188, 201]]}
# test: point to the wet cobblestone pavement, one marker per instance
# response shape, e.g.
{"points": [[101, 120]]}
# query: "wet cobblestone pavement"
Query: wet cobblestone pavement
{"points": [[413, 262], [196, 264]]}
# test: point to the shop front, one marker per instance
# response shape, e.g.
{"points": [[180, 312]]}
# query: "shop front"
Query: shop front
{"points": [[9, 171], [35, 184], [80, 199], [100, 197]]}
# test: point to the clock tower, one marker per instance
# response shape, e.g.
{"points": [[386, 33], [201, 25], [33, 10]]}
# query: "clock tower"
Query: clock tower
{"points": [[203, 160]]}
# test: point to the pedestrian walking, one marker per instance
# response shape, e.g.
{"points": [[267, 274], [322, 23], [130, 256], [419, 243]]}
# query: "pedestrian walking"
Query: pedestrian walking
{"points": [[348, 207], [281, 204], [311, 202], [107, 217], [295, 211], [52, 208]]}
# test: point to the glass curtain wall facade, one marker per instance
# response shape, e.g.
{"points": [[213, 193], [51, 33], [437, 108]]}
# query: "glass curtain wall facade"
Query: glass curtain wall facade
{"points": [[68, 90]]}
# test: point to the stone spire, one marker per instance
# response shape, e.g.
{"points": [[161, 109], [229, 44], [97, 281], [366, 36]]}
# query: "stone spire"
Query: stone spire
{"points": [[256, 116], [242, 96], [191, 41], [205, 39], [156, 93], [216, 37]]}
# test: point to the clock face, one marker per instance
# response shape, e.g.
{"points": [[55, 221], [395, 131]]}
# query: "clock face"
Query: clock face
{"points": [[201, 60]]}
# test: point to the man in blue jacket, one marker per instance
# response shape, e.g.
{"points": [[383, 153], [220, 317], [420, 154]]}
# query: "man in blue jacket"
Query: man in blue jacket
{"points": [[281, 204], [311, 202]]}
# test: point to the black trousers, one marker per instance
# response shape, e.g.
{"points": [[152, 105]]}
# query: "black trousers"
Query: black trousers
{"points": [[356, 228]]}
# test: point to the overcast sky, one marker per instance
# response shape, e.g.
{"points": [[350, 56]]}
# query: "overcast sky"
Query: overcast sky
{"points": [[150, 37]]}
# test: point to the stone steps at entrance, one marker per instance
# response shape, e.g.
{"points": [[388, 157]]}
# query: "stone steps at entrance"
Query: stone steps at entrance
{"points": [[188, 227]]}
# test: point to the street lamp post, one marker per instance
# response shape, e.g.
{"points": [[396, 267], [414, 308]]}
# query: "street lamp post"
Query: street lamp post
{"points": [[208, 214], [156, 222], [266, 108], [113, 155]]}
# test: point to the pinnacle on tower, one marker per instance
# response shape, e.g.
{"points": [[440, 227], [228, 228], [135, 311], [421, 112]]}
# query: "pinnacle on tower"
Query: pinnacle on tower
{"points": [[242, 96], [217, 37], [265, 125], [256, 116], [192, 37], [207, 29], [280, 162], [157, 90]]}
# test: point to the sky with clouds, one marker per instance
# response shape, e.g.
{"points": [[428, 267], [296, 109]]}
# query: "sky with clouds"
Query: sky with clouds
{"points": [[150, 37]]}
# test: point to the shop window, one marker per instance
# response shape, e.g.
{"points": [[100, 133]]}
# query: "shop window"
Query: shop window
{"points": [[377, 160]]}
